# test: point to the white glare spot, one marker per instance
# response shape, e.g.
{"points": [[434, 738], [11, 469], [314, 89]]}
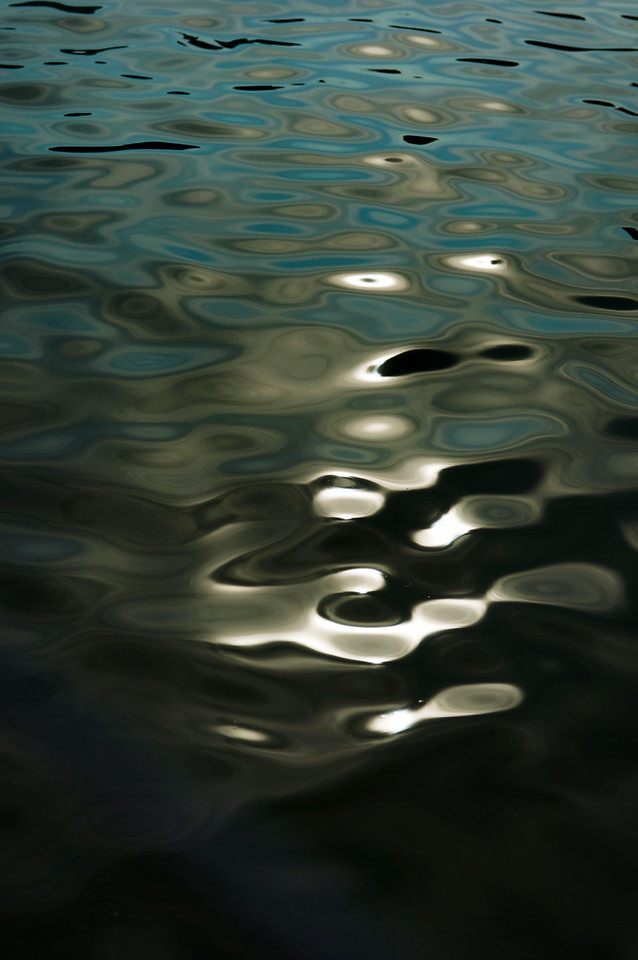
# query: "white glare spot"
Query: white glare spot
{"points": [[495, 105], [247, 734], [377, 428], [346, 503], [493, 262], [369, 281], [394, 722], [423, 41], [292, 614], [420, 115], [374, 50], [357, 580], [467, 700], [445, 531]]}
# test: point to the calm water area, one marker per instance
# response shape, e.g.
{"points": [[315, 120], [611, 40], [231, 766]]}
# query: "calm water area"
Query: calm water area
{"points": [[319, 480]]}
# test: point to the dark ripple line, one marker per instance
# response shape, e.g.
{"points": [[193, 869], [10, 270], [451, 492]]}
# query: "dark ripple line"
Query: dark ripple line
{"points": [[142, 145], [90, 53], [11, 66], [608, 103], [402, 26], [496, 63], [65, 7], [231, 44], [567, 16], [564, 46]]}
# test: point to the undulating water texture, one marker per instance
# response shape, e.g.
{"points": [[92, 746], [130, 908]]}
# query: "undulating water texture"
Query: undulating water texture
{"points": [[319, 463]]}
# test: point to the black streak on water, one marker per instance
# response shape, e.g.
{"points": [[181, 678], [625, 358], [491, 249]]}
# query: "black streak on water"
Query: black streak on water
{"points": [[495, 63], [259, 86], [625, 428], [607, 103], [416, 139], [402, 26], [420, 360], [507, 351], [65, 7], [231, 44], [567, 16], [142, 145], [564, 46], [91, 53], [608, 303]]}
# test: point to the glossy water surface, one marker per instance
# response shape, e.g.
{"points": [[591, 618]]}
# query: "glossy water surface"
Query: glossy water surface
{"points": [[319, 409]]}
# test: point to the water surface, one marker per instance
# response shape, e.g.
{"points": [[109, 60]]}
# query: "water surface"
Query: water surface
{"points": [[319, 512]]}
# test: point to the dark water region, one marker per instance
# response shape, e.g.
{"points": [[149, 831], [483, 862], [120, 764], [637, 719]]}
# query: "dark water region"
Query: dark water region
{"points": [[319, 413]]}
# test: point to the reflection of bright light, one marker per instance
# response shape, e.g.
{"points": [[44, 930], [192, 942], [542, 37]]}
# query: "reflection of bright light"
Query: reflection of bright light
{"points": [[247, 734], [424, 41], [495, 105], [420, 115], [360, 580], [374, 50], [369, 281], [394, 722], [493, 262], [445, 531], [377, 428], [252, 616], [416, 473], [345, 502], [467, 700]]}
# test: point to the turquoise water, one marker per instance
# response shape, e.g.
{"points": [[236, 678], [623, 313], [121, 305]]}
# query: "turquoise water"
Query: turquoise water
{"points": [[318, 414]]}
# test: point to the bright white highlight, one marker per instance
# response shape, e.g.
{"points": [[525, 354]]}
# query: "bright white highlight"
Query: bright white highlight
{"points": [[370, 282], [374, 50], [467, 700], [253, 616], [492, 262], [495, 105], [446, 530], [377, 428], [236, 732], [345, 500]]}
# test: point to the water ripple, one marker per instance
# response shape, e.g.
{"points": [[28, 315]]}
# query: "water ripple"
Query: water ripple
{"points": [[317, 408]]}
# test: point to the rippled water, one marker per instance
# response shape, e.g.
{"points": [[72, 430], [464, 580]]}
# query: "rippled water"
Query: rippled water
{"points": [[319, 417]]}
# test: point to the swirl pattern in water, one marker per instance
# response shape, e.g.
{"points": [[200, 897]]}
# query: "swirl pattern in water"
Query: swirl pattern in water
{"points": [[319, 409]]}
